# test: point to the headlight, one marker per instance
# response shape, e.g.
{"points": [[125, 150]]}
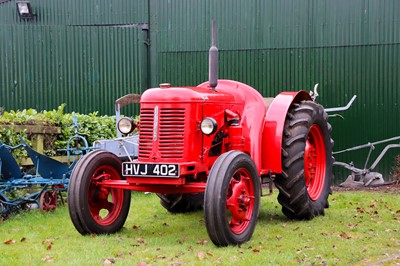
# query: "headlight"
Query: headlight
{"points": [[208, 126], [126, 125]]}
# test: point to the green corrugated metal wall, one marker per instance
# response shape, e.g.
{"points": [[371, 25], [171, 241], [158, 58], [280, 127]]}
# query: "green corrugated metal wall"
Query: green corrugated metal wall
{"points": [[349, 47], [82, 53]]}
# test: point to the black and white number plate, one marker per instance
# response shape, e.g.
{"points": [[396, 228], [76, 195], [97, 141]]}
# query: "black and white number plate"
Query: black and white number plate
{"points": [[150, 169]]}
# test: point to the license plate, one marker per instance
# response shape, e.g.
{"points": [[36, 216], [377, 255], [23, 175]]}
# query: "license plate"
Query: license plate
{"points": [[150, 169]]}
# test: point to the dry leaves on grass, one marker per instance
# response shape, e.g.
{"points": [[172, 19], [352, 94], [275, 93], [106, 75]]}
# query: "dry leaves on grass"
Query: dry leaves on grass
{"points": [[48, 258], [108, 261], [344, 235]]}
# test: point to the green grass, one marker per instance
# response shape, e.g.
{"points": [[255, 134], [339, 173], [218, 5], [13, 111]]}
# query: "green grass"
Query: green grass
{"points": [[358, 228]]}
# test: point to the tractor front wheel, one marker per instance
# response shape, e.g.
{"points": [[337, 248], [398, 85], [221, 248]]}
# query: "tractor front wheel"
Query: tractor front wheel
{"points": [[95, 209], [304, 185], [232, 199]]}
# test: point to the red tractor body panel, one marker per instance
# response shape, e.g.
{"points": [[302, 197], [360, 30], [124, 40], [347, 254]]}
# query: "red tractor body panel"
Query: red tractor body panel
{"points": [[273, 129]]}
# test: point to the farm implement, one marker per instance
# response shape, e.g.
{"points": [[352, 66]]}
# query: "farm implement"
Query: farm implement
{"points": [[20, 190], [366, 176]]}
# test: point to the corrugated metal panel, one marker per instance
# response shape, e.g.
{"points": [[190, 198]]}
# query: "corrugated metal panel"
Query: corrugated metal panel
{"points": [[82, 53], [85, 67], [349, 47], [78, 12]]}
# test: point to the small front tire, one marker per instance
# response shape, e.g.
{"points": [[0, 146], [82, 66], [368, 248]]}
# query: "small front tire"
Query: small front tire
{"points": [[95, 209], [232, 199]]}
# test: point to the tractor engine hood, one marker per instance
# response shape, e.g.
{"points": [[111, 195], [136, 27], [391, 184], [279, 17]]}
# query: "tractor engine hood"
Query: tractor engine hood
{"points": [[198, 102]]}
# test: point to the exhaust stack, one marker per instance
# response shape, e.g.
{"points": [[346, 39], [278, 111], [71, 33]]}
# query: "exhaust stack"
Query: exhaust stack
{"points": [[213, 58]]}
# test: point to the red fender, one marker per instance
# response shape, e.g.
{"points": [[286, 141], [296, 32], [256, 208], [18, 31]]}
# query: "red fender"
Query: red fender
{"points": [[273, 129]]}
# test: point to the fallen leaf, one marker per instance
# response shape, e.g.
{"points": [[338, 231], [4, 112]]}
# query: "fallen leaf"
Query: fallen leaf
{"points": [[351, 226], [48, 241], [161, 256], [10, 241], [202, 241], [108, 261], [360, 210], [278, 237], [135, 227], [210, 254], [256, 250], [23, 239], [120, 255], [345, 235], [165, 224], [140, 240], [200, 255], [48, 247], [47, 258]]}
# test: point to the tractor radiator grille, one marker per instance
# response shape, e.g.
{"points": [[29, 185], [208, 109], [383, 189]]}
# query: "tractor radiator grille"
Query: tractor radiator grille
{"points": [[169, 136]]}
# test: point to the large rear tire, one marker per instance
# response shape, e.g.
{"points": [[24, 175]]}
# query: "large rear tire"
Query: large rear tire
{"points": [[95, 209], [232, 199], [182, 203], [304, 185]]}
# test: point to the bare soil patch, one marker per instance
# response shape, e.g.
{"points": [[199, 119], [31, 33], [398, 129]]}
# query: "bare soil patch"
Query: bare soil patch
{"points": [[386, 188]]}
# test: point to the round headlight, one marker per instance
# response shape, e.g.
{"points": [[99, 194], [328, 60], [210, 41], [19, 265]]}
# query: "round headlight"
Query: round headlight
{"points": [[208, 126], [126, 125]]}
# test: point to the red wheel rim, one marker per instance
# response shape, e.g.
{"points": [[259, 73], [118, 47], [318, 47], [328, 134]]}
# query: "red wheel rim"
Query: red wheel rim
{"points": [[240, 201], [105, 204], [315, 162], [48, 201]]}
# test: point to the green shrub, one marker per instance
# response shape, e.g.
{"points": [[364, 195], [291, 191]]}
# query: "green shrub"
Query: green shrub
{"points": [[92, 126]]}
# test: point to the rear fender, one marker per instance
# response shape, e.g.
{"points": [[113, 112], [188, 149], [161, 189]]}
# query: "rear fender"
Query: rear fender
{"points": [[273, 129]]}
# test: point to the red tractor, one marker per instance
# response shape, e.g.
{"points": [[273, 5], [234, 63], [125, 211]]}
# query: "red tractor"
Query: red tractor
{"points": [[212, 147]]}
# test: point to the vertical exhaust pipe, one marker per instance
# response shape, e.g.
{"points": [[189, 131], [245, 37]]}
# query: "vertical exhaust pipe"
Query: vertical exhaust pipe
{"points": [[213, 58]]}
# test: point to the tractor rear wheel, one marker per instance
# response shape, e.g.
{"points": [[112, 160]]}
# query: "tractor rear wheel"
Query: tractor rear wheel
{"points": [[182, 203], [304, 185], [232, 199], [93, 208]]}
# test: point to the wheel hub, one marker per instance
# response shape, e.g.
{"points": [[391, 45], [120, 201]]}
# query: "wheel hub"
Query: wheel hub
{"points": [[314, 162], [240, 201]]}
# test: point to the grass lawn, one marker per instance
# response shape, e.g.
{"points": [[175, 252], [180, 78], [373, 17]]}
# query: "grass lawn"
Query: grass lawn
{"points": [[359, 228]]}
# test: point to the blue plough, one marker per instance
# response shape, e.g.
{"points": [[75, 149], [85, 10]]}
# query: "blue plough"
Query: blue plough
{"points": [[19, 190]]}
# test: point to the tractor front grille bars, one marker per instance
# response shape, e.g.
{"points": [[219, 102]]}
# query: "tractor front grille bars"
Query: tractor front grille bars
{"points": [[162, 132]]}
